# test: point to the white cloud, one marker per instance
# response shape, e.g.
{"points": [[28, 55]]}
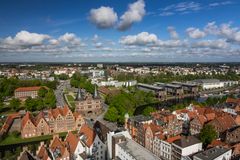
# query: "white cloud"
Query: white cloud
{"points": [[171, 43], [214, 44], [70, 38], [195, 33], [216, 4], [166, 14], [135, 13], [53, 41], [25, 38], [142, 38], [181, 8], [173, 33], [103, 17], [98, 45], [232, 34]]}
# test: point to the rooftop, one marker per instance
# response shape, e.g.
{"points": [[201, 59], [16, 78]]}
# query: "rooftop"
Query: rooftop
{"points": [[206, 80], [212, 153], [136, 150], [141, 118], [25, 89], [150, 86], [186, 141]]}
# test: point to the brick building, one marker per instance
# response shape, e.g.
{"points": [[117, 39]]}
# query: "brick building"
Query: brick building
{"points": [[88, 105], [54, 121], [169, 122], [25, 92]]}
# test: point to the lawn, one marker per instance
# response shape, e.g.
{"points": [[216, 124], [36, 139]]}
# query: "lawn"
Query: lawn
{"points": [[70, 98], [73, 104], [11, 139]]}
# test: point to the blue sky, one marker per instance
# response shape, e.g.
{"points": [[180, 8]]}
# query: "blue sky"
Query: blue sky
{"points": [[114, 30]]}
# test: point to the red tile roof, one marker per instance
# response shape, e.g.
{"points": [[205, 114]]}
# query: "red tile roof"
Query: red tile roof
{"points": [[25, 89], [58, 111], [26, 118], [87, 135], [71, 140], [233, 100], [42, 154], [202, 119], [39, 117], [172, 139], [56, 143]]}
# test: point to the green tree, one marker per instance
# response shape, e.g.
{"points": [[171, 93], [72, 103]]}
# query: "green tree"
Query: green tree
{"points": [[14, 104], [148, 110], [42, 92], [111, 114], [207, 135], [30, 104], [50, 99], [63, 76]]}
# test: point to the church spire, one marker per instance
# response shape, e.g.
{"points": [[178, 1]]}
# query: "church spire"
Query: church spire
{"points": [[79, 95], [95, 92]]}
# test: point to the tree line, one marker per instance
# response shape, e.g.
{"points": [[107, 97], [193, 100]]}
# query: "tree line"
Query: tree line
{"points": [[79, 80], [127, 102], [169, 77]]}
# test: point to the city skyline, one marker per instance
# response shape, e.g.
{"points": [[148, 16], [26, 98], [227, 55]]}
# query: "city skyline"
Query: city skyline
{"points": [[110, 31]]}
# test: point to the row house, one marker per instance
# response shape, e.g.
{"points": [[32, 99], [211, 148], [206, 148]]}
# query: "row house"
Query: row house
{"points": [[233, 135], [222, 124], [153, 133], [60, 149], [55, 121], [137, 126], [171, 125], [157, 143], [197, 124]]}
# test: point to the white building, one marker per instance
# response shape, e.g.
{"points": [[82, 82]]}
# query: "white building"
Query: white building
{"points": [[131, 150], [185, 146], [111, 139], [216, 153], [209, 83]]}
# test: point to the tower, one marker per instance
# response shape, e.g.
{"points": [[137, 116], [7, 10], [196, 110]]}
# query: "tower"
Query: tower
{"points": [[79, 95], [95, 92]]}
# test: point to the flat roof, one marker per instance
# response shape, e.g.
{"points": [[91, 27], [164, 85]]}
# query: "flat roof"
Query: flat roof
{"points": [[186, 141], [168, 85], [150, 86], [212, 153], [206, 80], [137, 151], [141, 118], [185, 84]]}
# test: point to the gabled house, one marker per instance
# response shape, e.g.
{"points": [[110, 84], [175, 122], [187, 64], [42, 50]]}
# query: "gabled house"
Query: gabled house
{"points": [[73, 145], [197, 124], [43, 153], [222, 124], [28, 128], [42, 127], [58, 149], [87, 136]]}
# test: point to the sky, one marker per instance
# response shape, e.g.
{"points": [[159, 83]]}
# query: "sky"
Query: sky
{"points": [[119, 31]]}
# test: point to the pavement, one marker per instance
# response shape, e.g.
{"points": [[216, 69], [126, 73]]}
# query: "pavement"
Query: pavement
{"points": [[59, 92]]}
